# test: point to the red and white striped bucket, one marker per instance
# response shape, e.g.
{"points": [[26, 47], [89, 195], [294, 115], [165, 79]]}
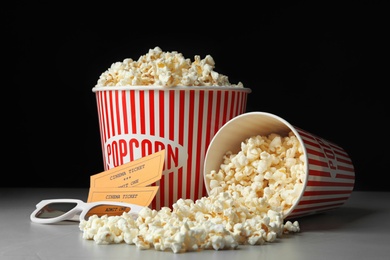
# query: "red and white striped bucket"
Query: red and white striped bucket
{"points": [[136, 121], [330, 175]]}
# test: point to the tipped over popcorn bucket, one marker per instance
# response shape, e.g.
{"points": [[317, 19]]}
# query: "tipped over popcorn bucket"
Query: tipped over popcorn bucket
{"points": [[329, 173], [137, 121]]}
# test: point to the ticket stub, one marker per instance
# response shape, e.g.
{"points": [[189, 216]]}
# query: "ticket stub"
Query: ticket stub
{"points": [[109, 210], [140, 172], [128, 182], [142, 196]]}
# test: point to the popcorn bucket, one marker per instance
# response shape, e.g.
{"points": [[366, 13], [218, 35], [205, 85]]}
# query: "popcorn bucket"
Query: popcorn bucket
{"points": [[137, 121], [329, 176]]}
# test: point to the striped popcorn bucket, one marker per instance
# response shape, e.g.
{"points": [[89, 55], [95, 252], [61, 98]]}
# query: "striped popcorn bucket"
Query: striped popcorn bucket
{"points": [[329, 178], [139, 121]]}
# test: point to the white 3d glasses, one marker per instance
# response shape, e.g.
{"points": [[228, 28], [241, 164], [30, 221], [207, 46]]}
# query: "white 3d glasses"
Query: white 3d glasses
{"points": [[55, 210]]}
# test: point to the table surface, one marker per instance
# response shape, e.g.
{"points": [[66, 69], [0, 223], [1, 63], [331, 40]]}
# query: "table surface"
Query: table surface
{"points": [[360, 229]]}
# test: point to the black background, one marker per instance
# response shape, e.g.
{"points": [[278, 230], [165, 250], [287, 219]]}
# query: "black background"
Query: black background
{"points": [[319, 66]]}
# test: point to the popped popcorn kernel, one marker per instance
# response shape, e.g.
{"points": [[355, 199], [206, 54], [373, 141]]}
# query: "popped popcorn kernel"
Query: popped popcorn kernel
{"points": [[166, 69]]}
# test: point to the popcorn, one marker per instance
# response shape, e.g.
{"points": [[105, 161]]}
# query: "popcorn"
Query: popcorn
{"points": [[208, 223], [271, 166], [166, 69], [245, 206]]}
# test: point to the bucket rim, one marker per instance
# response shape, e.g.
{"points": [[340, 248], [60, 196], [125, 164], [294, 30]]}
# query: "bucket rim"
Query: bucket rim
{"points": [[174, 88]]}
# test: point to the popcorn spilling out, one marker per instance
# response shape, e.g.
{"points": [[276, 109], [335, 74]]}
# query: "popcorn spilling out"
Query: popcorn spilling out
{"points": [[270, 167], [249, 196], [166, 69]]}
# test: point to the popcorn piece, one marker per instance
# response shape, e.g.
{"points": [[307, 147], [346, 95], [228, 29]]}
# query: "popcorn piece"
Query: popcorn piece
{"points": [[166, 69], [291, 227]]}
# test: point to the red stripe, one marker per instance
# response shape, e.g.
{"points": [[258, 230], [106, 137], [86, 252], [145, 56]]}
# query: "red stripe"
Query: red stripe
{"points": [[343, 160], [311, 143], [306, 202], [304, 133], [319, 173], [328, 183], [171, 137], [318, 207], [341, 153], [181, 118], [325, 192], [152, 116], [101, 125], [101, 116], [133, 112], [208, 130], [345, 176], [232, 104], [314, 152], [236, 104], [225, 107], [112, 113], [343, 168], [301, 214], [108, 134], [118, 122], [240, 101], [217, 111], [199, 144], [209, 118], [190, 140], [124, 109], [172, 115], [337, 147], [152, 128], [161, 113], [106, 124], [245, 102], [161, 134], [293, 215], [142, 111], [181, 141], [319, 163]]}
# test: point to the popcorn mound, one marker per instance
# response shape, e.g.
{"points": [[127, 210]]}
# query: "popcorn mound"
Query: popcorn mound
{"points": [[166, 69], [249, 195], [267, 167]]}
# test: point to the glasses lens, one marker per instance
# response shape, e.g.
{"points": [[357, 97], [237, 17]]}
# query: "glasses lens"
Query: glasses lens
{"points": [[109, 210], [55, 209]]}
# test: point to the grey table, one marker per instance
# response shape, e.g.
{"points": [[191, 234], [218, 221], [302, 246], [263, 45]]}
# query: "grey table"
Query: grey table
{"points": [[360, 229]]}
